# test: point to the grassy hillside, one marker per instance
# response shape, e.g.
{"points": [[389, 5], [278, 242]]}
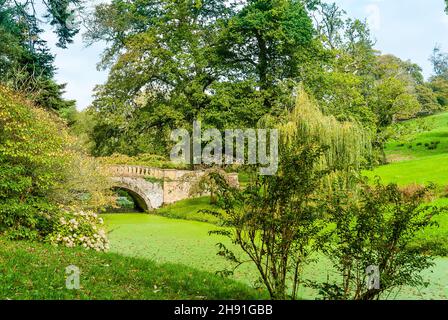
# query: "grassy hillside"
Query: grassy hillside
{"points": [[420, 155], [422, 170], [36, 271]]}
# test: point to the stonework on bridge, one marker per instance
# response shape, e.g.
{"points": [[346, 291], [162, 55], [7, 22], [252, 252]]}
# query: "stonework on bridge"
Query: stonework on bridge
{"points": [[152, 187]]}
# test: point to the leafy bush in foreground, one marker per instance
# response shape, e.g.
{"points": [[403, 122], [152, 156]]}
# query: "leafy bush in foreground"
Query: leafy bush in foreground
{"points": [[42, 169], [375, 229]]}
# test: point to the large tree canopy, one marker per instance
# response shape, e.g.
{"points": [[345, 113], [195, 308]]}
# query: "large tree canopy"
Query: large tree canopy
{"points": [[176, 61], [232, 64]]}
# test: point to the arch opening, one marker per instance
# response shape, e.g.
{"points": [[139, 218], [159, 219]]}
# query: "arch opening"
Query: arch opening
{"points": [[129, 200]]}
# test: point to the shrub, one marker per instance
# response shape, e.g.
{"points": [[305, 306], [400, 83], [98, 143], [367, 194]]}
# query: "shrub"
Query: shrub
{"points": [[42, 168], [375, 228], [31, 160], [411, 190], [275, 219], [79, 228]]}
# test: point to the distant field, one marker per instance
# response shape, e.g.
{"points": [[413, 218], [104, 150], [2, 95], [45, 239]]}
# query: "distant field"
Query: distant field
{"points": [[418, 171], [420, 155]]}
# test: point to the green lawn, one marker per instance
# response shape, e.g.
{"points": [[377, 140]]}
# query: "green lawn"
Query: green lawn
{"points": [[419, 171], [187, 242], [37, 271], [189, 210], [420, 155]]}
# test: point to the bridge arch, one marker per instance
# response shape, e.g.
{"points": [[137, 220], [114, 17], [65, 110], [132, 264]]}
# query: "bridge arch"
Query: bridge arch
{"points": [[138, 199], [147, 195], [153, 187]]}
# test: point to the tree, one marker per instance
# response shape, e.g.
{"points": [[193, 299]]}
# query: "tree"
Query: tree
{"points": [[26, 63], [276, 219], [269, 42], [329, 19], [60, 14], [345, 82], [157, 83], [439, 86], [394, 95], [428, 99], [42, 169], [439, 61], [439, 81], [225, 65]]}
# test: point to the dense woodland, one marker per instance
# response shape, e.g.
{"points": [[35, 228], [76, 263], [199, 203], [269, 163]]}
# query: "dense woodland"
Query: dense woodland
{"points": [[235, 66], [229, 65]]}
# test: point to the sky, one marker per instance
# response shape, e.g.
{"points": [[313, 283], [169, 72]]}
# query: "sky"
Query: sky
{"points": [[409, 29]]}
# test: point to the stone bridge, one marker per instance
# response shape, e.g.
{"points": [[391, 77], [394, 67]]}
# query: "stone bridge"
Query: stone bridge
{"points": [[151, 187]]}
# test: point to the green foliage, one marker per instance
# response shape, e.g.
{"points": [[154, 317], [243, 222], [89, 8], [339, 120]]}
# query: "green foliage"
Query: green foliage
{"points": [[206, 183], [394, 97], [347, 144], [275, 219], [233, 66], [42, 168], [26, 64], [190, 209], [428, 99], [59, 13], [439, 61], [225, 65], [440, 87], [147, 160], [375, 228], [31, 162]]}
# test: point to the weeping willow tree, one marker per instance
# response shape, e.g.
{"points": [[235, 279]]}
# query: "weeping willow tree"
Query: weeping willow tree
{"points": [[347, 144]]}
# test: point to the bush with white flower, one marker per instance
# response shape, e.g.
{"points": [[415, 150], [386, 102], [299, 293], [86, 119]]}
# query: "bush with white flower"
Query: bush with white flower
{"points": [[80, 229]]}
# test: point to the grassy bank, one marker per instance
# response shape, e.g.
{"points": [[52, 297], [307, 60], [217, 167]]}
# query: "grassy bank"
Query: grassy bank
{"points": [[189, 210], [37, 271]]}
